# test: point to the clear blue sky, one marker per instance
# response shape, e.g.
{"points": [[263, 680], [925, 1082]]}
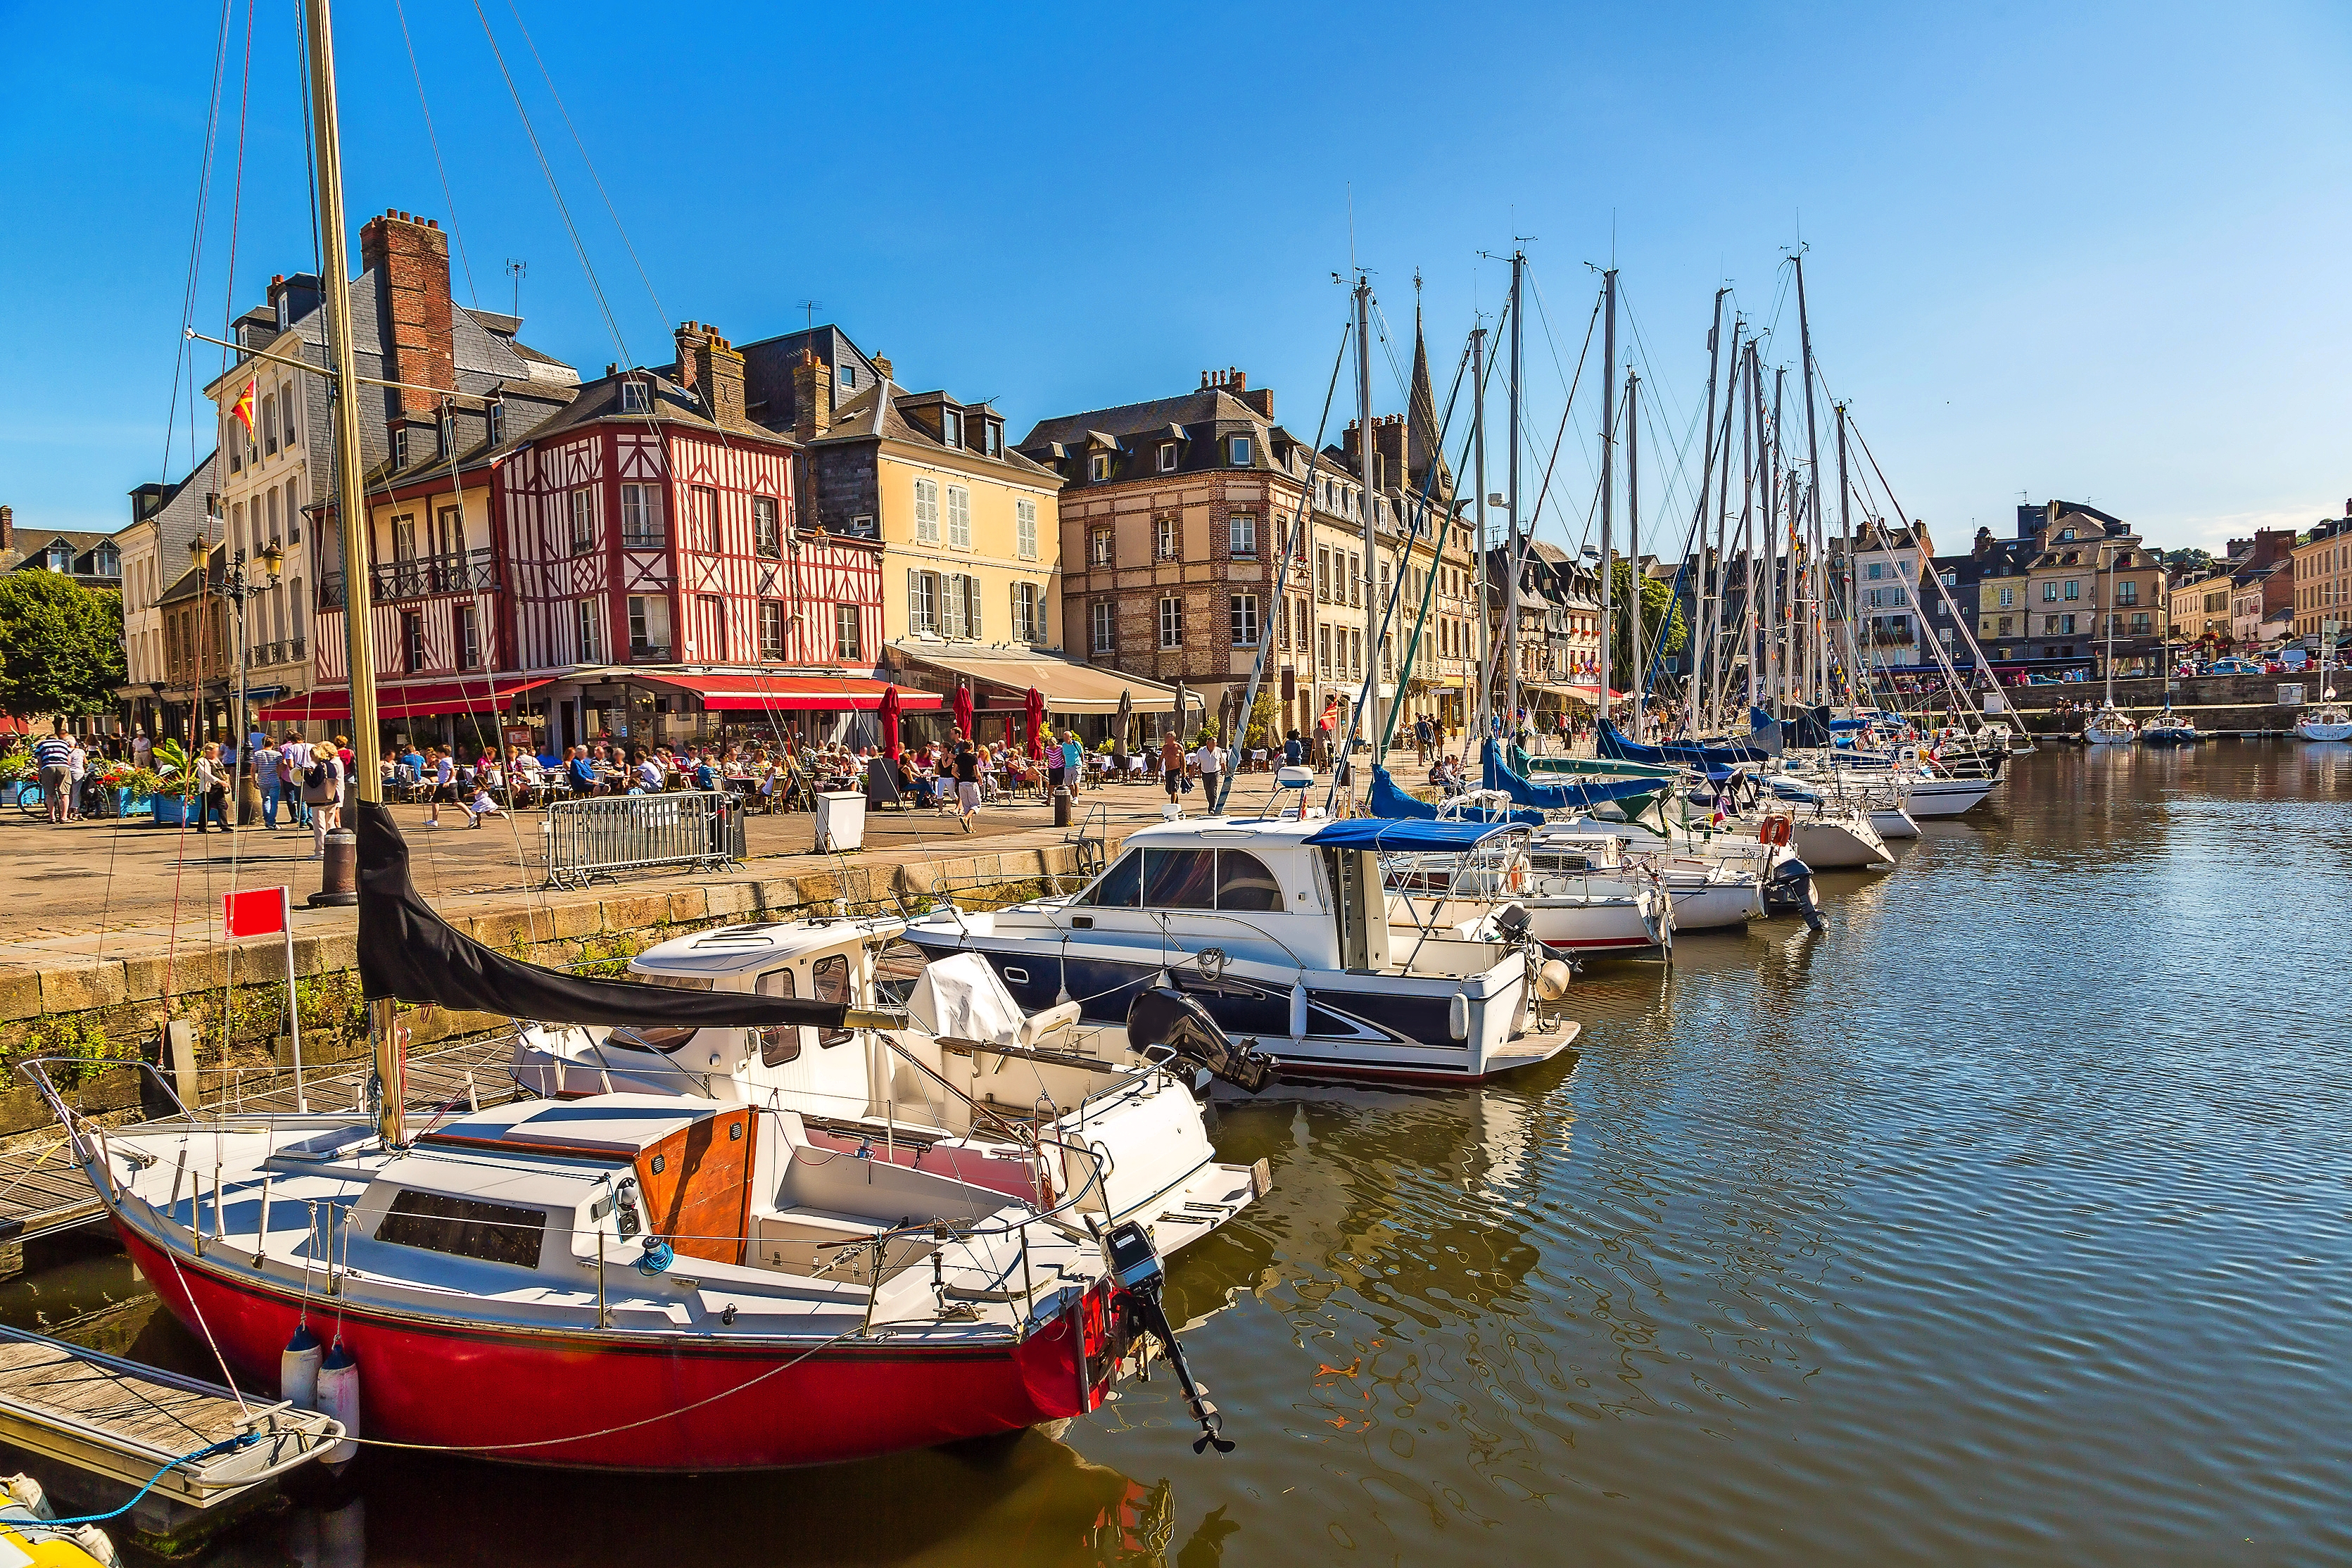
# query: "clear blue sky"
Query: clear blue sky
{"points": [[2092, 252]]}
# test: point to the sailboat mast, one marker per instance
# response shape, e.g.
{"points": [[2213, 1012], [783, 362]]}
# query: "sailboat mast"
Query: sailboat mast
{"points": [[1484, 646], [1784, 590], [1608, 481], [1703, 595], [1640, 672], [350, 513], [1367, 463], [1731, 402], [1842, 587], [1812, 461], [1511, 613], [1752, 608]]}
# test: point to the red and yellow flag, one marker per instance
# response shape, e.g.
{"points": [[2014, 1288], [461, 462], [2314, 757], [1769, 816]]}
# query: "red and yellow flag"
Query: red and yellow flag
{"points": [[243, 406]]}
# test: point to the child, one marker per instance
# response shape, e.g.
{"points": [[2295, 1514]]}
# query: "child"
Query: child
{"points": [[482, 805]]}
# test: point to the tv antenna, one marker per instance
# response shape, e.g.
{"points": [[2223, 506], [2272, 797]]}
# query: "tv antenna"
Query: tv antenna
{"points": [[516, 267], [811, 306]]}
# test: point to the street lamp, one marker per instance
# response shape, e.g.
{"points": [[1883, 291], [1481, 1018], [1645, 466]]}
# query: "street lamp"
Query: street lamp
{"points": [[236, 586]]}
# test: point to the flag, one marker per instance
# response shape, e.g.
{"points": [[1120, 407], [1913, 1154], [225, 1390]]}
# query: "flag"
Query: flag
{"points": [[243, 406], [260, 912], [1331, 714]]}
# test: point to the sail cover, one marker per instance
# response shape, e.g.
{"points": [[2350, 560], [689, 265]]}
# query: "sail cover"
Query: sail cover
{"points": [[1387, 800], [1763, 740], [409, 952], [1581, 796]]}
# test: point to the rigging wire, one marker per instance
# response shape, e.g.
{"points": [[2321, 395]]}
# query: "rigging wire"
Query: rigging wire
{"points": [[183, 358], [433, 140]]}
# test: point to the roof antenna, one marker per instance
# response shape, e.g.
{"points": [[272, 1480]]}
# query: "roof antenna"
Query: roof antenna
{"points": [[811, 306], [515, 270]]}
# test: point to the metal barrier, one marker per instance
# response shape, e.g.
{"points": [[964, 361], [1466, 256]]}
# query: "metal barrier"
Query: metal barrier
{"points": [[606, 836]]}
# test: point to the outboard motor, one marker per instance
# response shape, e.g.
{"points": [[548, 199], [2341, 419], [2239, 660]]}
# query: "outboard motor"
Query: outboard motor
{"points": [[1790, 892], [1134, 1263], [1163, 1015]]}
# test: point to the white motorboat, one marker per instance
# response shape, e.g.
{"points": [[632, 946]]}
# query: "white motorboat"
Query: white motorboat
{"points": [[1582, 896], [1705, 893], [1930, 793], [1282, 930], [2326, 720], [970, 1086], [2168, 729]]}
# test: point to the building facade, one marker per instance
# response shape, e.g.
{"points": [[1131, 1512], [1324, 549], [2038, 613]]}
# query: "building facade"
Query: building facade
{"points": [[2087, 569], [2199, 611], [2323, 577]]}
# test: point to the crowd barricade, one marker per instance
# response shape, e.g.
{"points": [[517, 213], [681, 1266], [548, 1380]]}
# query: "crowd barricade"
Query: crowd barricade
{"points": [[606, 837]]}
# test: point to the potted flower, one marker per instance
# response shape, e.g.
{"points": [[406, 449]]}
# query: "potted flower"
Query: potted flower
{"points": [[173, 786]]}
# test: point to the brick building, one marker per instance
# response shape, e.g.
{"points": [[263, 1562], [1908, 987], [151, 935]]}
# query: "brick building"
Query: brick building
{"points": [[2323, 576]]}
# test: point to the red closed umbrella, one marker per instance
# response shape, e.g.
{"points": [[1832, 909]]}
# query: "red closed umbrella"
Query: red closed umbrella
{"points": [[1036, 725], [891, 722], [963, 711]]}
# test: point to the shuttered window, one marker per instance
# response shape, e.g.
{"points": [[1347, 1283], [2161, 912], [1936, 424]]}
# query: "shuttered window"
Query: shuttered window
{"points": [[927, 511]]}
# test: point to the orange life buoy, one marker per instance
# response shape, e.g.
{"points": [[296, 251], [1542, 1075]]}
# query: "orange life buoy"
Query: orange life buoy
{"points": [[1774, 830]]}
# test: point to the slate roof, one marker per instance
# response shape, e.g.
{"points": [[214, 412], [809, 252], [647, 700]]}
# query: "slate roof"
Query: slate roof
{"points": [[875, 414]]}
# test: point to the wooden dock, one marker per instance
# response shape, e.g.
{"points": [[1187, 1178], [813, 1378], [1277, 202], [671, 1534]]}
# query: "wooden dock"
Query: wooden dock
{"points": [[43, 1192], [114, 1424]]}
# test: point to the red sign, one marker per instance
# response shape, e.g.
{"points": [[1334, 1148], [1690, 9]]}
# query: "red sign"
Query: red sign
{"points": [[261, 912]]}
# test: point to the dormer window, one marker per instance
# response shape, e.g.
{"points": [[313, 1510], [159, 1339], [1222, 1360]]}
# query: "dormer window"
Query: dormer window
{"points": [[107, 562], [950, 427], [1168, 457], [1240, 451], [400, 448], [847, 375], [494, 423], [996, 438], [2065, 534], [61, 556], [1099, 467], [633, 398]]}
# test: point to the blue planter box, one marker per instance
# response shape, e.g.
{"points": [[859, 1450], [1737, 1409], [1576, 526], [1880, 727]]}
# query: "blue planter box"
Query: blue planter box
{"points": [[129, 804], [171, 810]]}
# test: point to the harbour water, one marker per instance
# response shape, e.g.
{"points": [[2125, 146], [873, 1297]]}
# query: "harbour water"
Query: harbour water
{"points": [[2004, 1221]]}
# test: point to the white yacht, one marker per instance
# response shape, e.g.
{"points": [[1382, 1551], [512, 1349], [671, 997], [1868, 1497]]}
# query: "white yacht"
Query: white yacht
{"points": [[1282, 930], [2110, 726], [2325, 720]]}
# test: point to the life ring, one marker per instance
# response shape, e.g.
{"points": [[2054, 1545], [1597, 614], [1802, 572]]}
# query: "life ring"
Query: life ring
{"points": [[1773, 830], [1517, 879]]}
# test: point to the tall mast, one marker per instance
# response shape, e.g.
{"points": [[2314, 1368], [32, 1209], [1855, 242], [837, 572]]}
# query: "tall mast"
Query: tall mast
{"points": [[1702, 596], [1368, 465], [1731, 401], [1484, 647], [1751, 619], [1812, 459], [1842, 586], [350, 512], [1784, 592], [1511, 613], [1608, 480], [1641, 669]]}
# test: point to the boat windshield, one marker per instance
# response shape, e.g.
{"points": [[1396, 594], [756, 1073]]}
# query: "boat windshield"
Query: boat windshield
{"points": [[664, 1040]]}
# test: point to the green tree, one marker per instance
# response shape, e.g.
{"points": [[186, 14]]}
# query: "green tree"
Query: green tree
{"points": [[1264, 715], [2187, 563], [60, 645], [1662, 617]]}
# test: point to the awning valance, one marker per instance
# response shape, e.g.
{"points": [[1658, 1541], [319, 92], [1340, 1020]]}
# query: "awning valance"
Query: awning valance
{"points": [[790, 693], [1068, 687], [406, 700]]}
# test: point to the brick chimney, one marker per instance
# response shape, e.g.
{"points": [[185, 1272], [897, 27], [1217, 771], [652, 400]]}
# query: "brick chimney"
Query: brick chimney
{"points": [[8, 528], [409, 256], [708, 366], [811, 396], [1262, 399], [881, 367]]}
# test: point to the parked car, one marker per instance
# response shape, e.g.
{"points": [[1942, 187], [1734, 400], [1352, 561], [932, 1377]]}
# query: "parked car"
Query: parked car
{"points": [[2038, 680], [2233, 666]]}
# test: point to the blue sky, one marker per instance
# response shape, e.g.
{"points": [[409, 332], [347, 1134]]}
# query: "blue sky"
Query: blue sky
{"points": [[2092, 252]]}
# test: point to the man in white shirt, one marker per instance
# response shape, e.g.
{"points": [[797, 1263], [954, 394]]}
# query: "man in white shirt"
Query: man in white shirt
{"points": [[1211, 760]]}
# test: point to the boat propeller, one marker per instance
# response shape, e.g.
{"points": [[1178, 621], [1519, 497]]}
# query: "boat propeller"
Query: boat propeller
{"points": [[1134, 1263], [1161, 1015]]}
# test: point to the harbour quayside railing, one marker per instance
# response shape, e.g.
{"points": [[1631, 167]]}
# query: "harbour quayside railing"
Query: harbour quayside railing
{"points": [[608, 836]]}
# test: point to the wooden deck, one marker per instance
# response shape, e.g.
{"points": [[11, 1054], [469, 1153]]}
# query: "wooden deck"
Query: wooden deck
{"points": [[42, 1192], [119, 1420]]}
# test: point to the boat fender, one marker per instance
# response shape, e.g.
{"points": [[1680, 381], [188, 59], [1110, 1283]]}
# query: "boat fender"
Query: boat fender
{"points": [[659, 1256], [28, 1495], [1552, 980], [1457, 1016], [339, 1397], [298, 1368], [1298, 1011]]}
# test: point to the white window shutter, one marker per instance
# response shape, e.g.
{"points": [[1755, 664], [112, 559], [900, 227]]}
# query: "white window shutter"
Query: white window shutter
{"points": [[971, 603]]}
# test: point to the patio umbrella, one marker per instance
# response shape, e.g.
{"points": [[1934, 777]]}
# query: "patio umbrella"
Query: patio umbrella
{"points": [[1183, 699], [963, 711], [1119, 726], [1037, 717], [891, 722]]}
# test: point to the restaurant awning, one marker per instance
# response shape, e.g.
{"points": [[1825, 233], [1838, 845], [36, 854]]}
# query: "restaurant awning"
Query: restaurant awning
{"points": [[406, 698], [1068, 687], [790, 693]]}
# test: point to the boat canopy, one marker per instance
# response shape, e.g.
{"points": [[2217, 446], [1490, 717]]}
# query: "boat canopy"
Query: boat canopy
{"points": [[1578, 797], [1387, 800], [1401, 835], [1763, 740]]}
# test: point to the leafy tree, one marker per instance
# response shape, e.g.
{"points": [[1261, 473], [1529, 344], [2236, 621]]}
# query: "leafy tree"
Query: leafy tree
{"points": [[1265, 714], [2184, 564], [1662, 618], [60, 645]]}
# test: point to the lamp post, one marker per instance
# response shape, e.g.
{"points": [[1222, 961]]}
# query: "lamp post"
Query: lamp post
{"points": [[237, 586]]}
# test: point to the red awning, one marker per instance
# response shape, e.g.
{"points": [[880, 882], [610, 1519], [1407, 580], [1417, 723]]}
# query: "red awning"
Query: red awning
{"points": [[790, 693], [407, 700], [12, 725]]}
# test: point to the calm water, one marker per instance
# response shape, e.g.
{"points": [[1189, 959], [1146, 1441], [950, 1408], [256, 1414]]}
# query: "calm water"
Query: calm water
{"points": [[2004, 1221]]}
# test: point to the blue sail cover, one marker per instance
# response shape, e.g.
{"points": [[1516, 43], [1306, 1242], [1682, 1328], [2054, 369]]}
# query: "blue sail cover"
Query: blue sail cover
{"points": [[1763, 741], [1412, 833], [1387, 800], [1563, 796]]}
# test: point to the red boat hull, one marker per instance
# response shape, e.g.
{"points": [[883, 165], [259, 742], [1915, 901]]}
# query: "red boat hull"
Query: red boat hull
{"points": [[596, 1401]]}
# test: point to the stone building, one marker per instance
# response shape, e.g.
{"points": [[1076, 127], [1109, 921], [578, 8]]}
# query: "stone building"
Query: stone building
{"points": [[2323, 577], [2088, 568]]}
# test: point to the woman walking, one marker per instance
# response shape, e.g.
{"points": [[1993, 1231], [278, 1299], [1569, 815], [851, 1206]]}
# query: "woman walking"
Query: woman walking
{"points": [[323, 792], [212, 788]]}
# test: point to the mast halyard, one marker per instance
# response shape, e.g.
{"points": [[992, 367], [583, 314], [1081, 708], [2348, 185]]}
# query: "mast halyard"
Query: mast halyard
{"points": [[1366, 464], [351, 514], [1480, 701], [1703, 591], [1812, 521], [1511, 613]]}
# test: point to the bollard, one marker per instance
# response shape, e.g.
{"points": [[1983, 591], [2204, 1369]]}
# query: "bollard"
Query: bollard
{"points": [[338, 877], [1062, 807]]}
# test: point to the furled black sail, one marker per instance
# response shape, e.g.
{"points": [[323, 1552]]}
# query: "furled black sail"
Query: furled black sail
{"points": [[409, 952]]}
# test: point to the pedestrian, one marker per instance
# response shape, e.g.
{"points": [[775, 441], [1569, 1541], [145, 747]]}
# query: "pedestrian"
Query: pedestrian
{"points": [[142, 749], [1293, 749], [1172, 770], [323, 792], [1211, 760], [77, 769], [967, 783], [445, 785], [53, 753], [482, 804], [212, 788], [1074, 762]]}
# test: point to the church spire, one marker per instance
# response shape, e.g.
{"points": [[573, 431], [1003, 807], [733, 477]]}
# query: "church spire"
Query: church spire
{"points": [[1422, 447]]}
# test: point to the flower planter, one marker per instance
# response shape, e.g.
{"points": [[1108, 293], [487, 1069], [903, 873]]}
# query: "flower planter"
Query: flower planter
{"points": [[171, 810], [127, 803]]}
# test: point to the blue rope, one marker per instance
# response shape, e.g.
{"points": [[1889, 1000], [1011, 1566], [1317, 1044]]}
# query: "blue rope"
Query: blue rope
{"points": [[220, 1448]]}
